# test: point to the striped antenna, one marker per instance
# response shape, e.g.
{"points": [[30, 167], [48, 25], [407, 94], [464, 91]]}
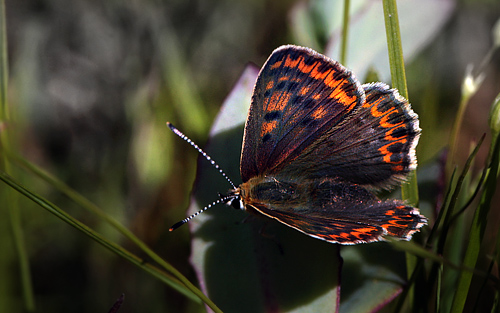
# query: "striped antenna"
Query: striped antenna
{"points": [[206, 156], [184, 221], [203, 153]]}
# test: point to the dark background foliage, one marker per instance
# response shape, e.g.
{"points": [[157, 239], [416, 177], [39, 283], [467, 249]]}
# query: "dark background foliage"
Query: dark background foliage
{"points": [[92, 84]]}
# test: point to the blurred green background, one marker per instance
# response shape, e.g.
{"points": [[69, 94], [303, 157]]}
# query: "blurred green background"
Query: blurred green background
{"points": [[92, 84]]}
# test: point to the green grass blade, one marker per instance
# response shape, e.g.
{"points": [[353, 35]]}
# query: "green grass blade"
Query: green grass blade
{"points": [[182, 285], [409, 190], [477, 232], [11, 199], [85, 203], [470, 85], [396, 61], [345, 32], [449, 213]]}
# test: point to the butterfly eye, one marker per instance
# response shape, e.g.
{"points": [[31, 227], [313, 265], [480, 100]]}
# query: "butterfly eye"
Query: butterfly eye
{"points": [[237, 203]]}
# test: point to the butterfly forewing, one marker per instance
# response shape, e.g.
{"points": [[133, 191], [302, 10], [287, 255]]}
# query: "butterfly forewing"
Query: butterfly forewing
{"points": [[298, 97]]}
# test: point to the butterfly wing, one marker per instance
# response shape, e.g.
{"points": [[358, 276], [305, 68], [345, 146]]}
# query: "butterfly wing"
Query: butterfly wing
{"points": [[316, 140], [371, 222], [331, 210], [298, 96], [374, 147], [310, 117]]}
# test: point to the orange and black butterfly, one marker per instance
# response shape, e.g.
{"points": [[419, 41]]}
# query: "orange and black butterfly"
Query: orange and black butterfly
{"points": [[317, 144]]}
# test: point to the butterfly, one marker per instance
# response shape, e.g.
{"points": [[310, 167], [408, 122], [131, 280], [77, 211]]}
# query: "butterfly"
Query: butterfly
{"points": [[318, 144]]}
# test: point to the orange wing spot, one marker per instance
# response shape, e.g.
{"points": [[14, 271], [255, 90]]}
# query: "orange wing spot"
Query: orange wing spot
{"points": [[278, 101], [316, 96], [319, 113], [330, 81], [351, 107], [289, 62], [398, 168], [384, 120], [314, 73], [388, 135], [270, 85], [343, 98], [343, 235], [306, 68], [300, 64], [374, 103], [387, 154], [296, 63], [276, 64], [390, 212], [395, 223], [267, 127], [339, 93], [359, 233], [377, 113], [282, 78], [304, 90]]}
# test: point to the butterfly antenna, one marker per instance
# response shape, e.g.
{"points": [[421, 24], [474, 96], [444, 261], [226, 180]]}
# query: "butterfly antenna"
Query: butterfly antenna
{"points": [[203, 153], [184, 221]]}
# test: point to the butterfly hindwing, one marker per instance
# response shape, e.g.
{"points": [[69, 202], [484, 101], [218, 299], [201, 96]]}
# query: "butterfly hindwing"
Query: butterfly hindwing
{"points": [[394, 219], [325, 227], [298, 96], [374, 147], [331, 210]]}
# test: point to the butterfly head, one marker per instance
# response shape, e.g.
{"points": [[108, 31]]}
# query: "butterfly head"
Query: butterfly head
{"points": [[233, 199]]}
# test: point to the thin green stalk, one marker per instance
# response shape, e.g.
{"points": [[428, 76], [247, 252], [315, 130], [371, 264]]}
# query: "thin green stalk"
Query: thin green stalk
{"points": [[443, 222], [345, 32], [11, 201], [447, 221], [454, 133], [409, 190], [470, 85], [398, 75], [396, 61]]}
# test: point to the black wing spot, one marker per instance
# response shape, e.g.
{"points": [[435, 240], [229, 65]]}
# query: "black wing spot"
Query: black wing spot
{"points": [[281, 85], [272, 116], [266, 137]]}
